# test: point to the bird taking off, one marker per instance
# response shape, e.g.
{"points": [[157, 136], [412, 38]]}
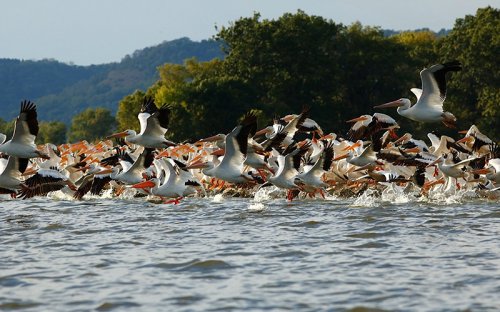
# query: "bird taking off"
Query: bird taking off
{"points": [[429, 105]]}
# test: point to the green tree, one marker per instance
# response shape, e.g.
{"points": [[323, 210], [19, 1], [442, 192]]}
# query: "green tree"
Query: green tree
{"points": [[420, 47], [51, 132], [473, 94], [200, 97], [7, 128], [300, 60], [289, 62], [128, 109], [91, 125]]}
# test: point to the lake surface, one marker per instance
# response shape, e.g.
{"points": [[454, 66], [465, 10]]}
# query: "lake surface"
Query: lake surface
{"points": [[216, 254]]}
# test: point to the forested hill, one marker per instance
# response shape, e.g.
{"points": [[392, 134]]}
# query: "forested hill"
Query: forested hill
{"points": [[61, 90]]}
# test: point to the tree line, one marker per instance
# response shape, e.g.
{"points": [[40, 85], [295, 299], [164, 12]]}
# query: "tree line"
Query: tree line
{"points": [[276, 67]]}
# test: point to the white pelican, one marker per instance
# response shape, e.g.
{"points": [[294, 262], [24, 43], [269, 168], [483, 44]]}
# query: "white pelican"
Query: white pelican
{"points": [[429, 105], [311, 179], [43, 182], [378, 174], [288, 168], [364, 157], [230, 169], [131, 174], [288, 126], [451, 169], [409, 144], [175, 181], [492, 171], [22, 144], [308, 125], [476, 141], [154, 125], [93, 182], [10, 177], [366, 125]]}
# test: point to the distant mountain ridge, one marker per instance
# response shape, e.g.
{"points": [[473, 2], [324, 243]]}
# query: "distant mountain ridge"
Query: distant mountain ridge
{"points": [[61, 90]]}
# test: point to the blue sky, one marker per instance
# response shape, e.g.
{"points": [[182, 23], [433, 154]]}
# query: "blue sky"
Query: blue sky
{"points": [[101, 31]]}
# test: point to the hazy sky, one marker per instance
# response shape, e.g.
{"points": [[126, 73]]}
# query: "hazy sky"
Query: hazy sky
{"points": [[100, 31]]}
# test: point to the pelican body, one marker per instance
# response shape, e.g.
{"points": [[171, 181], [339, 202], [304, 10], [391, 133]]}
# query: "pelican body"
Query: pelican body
{"points": [[22, 144], [429, 105]]}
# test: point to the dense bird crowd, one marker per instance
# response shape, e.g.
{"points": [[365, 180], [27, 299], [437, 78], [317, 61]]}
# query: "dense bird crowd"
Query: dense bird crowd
{"points": [[292, 154]]}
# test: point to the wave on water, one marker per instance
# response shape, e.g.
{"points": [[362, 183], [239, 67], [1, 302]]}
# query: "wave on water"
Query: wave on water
{"points": [[399, 195]]}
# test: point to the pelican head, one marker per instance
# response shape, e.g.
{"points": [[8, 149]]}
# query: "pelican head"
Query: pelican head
{"points": [[122, 134], [402, 102]]}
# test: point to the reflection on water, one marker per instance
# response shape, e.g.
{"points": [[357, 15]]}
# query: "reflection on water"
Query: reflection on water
{"points": [[241, 254]]}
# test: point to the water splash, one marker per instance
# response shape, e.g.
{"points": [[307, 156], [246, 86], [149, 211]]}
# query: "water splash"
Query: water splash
{"points": [[218, 198], [268, 193], [256, 207], [367, 199]]}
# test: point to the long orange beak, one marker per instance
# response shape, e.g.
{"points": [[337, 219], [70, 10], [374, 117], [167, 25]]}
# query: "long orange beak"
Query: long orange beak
{"points": [[29, 171], [481, 171], [219, 152], [117, 135], [396, 103], [105, 171], [329, 136], [361, 118], [465, 139], [340, 157], [404, 137], [87, 167], [77, 146], [430, 184], [162, 154], [145, 184], [412, 150], [352, 147], [197, 165], [210, 139]]}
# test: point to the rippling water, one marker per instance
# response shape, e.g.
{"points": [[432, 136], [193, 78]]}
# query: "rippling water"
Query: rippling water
{"points": [[238, 254]]}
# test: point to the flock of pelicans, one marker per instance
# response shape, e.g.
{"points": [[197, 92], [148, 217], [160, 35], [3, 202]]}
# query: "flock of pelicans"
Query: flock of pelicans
{"points": [[292, 154]]}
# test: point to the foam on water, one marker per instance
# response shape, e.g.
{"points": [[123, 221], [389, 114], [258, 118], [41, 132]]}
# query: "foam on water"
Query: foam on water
{"points": [[60, 195], [397, 195], [256, 207], [366, 199], [268, 193], [218, 198]]}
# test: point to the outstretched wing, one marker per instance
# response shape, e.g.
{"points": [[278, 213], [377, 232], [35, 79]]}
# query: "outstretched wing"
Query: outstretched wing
{"points": [[26, 128], [434, 84]]}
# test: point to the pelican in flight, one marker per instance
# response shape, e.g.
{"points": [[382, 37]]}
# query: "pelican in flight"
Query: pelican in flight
{"points": [[492, 171], [175, 181], [230, 169], [22, 144], [154, 124], [366, 125], [10, 177], [429, 105]]}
